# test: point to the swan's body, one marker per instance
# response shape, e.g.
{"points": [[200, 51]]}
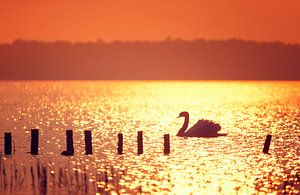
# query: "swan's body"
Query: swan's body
{"points": [[203, 128]]}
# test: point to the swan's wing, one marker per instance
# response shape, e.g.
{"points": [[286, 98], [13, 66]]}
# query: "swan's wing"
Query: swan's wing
{"points": [[205, 126]]}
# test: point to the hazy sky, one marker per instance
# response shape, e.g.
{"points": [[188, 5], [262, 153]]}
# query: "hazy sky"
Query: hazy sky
{"points": [[79, 20]]}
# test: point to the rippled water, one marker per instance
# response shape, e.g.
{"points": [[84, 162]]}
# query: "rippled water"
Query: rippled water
{"points": [[247, 112]]}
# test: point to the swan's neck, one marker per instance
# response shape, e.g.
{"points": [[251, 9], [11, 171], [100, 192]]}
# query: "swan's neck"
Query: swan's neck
{"points": [[184, 126]]}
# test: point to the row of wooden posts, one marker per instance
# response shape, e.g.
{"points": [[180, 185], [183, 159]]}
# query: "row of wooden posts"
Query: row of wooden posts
{"points": [[34, 149]]}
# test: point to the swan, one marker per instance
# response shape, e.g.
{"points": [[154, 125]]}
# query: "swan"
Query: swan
{"points": [[203, 128]]}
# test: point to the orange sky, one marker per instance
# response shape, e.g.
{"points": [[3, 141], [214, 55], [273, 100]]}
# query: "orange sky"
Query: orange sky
{"points": [[79, 20]]}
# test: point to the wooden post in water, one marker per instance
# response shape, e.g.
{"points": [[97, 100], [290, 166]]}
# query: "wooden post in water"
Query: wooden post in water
{"points": [[166, 144], [7, 144], [70, 147], [267, 144], [140, 142], [120, 143], [34, 142], [88, 142]]}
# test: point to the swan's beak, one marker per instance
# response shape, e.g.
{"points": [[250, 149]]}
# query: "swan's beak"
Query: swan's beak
{"points": [[178, 117]]}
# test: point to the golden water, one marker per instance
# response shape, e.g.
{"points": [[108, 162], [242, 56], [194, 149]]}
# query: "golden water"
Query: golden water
{"points": [[246, 110]]}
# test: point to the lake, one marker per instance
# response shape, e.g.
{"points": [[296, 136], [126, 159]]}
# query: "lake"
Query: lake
{"points": [[234, 164]]}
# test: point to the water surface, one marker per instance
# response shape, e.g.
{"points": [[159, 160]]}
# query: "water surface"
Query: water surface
{"points": [[246, 110]]}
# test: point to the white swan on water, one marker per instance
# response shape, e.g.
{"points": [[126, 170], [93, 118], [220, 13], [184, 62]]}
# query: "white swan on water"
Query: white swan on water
{"points": [[203, 128]]}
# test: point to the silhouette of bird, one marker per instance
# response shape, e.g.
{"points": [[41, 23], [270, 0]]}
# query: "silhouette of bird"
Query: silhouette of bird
{"points": [[203, 128]]}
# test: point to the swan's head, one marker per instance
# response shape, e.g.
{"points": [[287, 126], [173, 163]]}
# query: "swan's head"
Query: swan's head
{"points": [[183, 114]]}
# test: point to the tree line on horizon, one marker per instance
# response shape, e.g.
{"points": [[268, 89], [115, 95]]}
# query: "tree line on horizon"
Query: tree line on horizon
{"points": [[162, 60]]}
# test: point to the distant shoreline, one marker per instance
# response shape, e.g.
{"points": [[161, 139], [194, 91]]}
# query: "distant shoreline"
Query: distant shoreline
{"points": [[171, 59]]}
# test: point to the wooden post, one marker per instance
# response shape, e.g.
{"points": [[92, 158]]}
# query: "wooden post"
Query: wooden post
{"points": [[7, 144], [34, 142], [120, 143], [88, 142], [70, 147], [166, 144], [140, 142], [267, 144]]}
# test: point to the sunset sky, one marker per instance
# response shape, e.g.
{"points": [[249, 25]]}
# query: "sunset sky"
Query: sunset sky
{"points": [[77, 20]]}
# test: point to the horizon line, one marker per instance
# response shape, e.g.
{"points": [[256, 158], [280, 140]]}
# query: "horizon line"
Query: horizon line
{"points": [[166, 39], [156, 80]]}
